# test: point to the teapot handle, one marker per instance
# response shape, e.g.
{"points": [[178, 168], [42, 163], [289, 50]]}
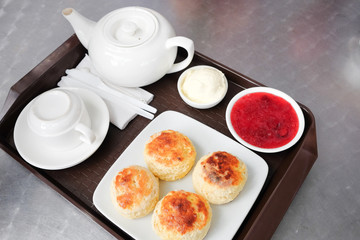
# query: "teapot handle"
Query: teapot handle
{"points": [[185, 43]]}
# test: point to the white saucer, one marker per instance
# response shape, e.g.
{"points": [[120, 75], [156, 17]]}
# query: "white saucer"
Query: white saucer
{"points": [[44, 157]]}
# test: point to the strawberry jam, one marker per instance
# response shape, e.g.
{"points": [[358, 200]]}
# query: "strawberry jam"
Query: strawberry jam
{"points": [[264, 120]]}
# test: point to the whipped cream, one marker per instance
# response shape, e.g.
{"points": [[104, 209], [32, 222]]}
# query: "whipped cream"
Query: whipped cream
{"points": [[203, 84]]}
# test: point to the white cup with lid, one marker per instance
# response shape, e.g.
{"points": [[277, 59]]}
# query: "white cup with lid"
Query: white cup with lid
{"points": [[60, 119]]}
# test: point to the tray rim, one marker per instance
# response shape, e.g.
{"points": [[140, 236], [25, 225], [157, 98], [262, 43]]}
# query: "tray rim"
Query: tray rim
{"points": [[250, 232]]}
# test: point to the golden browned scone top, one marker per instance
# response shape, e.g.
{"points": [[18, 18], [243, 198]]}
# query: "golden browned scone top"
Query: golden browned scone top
{"points": [[222, 169], [169, 147], [131, 185], [184, 211]]}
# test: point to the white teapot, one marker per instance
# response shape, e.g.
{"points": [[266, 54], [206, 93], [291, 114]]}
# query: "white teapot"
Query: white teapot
{"points": [[131, 46]]}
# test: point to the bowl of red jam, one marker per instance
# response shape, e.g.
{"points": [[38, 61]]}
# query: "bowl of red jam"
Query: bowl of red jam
{"points": [[265, 119]]}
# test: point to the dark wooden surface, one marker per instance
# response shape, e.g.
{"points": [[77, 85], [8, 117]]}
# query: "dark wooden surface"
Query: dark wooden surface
{"points": [[287, 170]]}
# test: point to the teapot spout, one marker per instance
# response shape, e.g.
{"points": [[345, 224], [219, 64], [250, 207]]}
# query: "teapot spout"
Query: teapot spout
{"points": [[83, 27]]}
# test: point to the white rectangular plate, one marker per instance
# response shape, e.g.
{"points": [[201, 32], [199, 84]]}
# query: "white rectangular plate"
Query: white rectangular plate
{"points": [[227, 218]]}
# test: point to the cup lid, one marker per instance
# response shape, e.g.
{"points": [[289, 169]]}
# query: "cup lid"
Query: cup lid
{"points": [[131, 26]]}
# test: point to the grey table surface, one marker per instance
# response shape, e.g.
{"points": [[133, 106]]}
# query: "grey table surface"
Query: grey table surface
{"points": [[308, 49]]}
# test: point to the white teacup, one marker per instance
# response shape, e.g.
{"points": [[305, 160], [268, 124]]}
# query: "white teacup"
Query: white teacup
{"points": [[61, 119]]}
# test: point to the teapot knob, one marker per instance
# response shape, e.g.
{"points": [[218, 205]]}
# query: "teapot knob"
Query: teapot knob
{"points": [[128, 28]]}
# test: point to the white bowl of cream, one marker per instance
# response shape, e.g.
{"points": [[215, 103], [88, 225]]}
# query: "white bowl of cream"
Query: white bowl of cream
{"points": [[202, 86]]}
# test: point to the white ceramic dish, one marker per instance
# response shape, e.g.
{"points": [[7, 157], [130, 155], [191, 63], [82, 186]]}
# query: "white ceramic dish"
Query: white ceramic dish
{"points": [[41, 156], [197, 104], [227, 218], [277, 93]]}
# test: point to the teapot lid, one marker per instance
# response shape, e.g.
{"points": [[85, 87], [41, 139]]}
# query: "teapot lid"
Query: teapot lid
{"points": [[130, 27]]}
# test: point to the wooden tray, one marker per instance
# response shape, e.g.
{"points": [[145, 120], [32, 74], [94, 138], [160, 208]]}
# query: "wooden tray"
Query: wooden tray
{"points": [[287, 170]]}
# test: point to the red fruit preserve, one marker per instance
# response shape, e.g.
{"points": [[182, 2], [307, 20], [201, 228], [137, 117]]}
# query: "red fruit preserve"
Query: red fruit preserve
{"points": [[264, 120]]}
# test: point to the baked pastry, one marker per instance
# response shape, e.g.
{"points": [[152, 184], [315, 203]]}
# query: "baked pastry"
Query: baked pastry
{"points": [[169, 154], [219, 177], [182, 215], [135, 191]]}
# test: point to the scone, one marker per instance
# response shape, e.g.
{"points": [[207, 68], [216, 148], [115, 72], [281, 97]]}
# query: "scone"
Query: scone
{"points": [[135, 191], [182, 215], [169, 154], [219, 177]]}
